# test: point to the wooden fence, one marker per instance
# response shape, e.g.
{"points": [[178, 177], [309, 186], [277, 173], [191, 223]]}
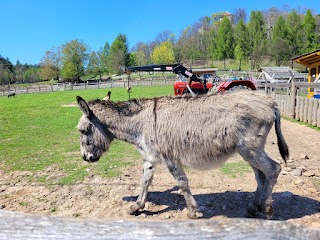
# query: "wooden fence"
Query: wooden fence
{"points": [[151, 81], [305, 109], [15, 225], [294, 106]]}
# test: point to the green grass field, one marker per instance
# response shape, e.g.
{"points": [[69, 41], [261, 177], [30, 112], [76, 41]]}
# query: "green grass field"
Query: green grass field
{"points": [[38, 131]]}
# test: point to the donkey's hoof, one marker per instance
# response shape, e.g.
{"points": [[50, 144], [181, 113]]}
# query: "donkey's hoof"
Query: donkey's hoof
{"points": [[269, 212], [134, 209], [251, 212], [194, 214]]}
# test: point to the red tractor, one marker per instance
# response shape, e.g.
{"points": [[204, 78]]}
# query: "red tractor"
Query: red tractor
{"points": [[196, 81], [236, 83]]}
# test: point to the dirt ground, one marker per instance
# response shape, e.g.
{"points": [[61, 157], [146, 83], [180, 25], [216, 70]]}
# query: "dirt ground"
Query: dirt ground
{"points": [[219, 196]]}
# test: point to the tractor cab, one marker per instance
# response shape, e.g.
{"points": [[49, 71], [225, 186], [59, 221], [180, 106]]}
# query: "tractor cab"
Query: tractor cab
{"points": [[207, 77]]}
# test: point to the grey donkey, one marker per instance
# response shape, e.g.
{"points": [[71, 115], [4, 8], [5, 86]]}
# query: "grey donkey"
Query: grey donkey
{"points": [[200, 132]]}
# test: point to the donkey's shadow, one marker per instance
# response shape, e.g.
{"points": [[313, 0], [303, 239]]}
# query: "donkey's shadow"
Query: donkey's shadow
{"points": [[231, 204]]}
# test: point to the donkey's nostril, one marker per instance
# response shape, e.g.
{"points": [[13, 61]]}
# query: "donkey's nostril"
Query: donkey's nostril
{"points": [[90, 158]]}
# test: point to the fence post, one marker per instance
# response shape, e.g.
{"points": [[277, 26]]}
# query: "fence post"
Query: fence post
{"points": [[265, 84], [293, 95]]}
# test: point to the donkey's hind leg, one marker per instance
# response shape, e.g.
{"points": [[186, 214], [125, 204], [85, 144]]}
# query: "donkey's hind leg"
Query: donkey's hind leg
{"points": [[267, 172], [182, 182], [148, 172], [256, 205]]}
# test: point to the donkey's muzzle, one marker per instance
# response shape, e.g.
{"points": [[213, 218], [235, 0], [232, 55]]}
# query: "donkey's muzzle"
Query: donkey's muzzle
{"points": [[90, 158]]}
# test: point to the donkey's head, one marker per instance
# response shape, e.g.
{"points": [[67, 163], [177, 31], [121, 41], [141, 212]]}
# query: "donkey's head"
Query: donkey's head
{"points": [[95, 138]]}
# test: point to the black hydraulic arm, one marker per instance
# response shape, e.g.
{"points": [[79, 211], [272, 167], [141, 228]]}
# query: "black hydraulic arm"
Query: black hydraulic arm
{"points": [[151, 68], [176, 68]]}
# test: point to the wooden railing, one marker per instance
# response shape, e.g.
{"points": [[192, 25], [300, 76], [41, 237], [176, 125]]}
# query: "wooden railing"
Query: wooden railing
{"points": [[305, 109], [15, 225], [294, 106], [151, 81]]}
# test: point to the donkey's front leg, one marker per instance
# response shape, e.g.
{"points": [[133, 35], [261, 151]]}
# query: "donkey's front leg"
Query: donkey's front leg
{"points": [[148, 172], [182, 181]]}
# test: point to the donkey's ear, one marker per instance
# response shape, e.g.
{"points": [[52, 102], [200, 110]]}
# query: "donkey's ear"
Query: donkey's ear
{"points": [[84, 106]]}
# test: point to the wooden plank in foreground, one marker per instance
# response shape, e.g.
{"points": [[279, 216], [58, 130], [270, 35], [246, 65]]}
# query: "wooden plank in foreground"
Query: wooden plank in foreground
{"points": [[14, 225]]}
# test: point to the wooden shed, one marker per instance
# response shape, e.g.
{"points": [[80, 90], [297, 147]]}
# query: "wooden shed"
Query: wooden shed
{"points": [[280, 74], [312, 62]]}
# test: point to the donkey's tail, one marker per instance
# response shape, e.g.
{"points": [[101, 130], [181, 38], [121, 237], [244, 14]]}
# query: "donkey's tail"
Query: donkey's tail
{"points": [[283, 147]]}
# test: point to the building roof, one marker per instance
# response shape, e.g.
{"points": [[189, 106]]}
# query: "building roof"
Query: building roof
{"points": [[308, 59], [281, 73]]}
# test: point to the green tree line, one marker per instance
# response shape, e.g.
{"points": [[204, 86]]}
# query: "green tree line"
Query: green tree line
{"points": [[272, 34]]}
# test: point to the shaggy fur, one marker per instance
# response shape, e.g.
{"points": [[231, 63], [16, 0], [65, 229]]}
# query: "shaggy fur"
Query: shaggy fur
{"points": [[200, 132]]}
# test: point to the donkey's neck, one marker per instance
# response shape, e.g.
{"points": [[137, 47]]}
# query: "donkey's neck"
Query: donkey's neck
{"points": [[122, 119]]}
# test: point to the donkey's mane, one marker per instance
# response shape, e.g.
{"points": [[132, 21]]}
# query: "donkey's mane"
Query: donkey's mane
{"points": [[135, 105]]}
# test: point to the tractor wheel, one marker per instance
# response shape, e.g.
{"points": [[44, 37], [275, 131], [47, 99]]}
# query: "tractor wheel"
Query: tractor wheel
{"points": [[239, 87]]}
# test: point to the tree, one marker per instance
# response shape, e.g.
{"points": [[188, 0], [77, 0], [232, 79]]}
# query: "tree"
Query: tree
{"points": [[94, 65], [163, 53], [103, 54], [6, 63], [280, 43], [74, 59], [295, 32], [32, 74], [18, 70], [239, 55], [119, 55], [212, 42], [225, 41], [143, 53], [132, 59], [202, 39], [140, 58], [317, 18], [6, 71], [194, 41], [50, 64], [309, 25], [242, 41], [239, 14], [164, 36], [257, 38], [183, 47]]}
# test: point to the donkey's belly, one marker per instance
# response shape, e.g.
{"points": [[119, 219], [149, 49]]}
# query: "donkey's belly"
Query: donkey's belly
{"points": [[203, 161]]}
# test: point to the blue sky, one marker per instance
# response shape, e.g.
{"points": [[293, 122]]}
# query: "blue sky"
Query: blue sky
{"points": [[29, 28]]}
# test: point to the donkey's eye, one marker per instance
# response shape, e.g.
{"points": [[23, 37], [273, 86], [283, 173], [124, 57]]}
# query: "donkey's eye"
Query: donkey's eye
{"points": [[82, 131]]}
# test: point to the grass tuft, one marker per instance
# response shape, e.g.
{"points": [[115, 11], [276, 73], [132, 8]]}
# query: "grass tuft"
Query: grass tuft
{"points": [[235, 169]]}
